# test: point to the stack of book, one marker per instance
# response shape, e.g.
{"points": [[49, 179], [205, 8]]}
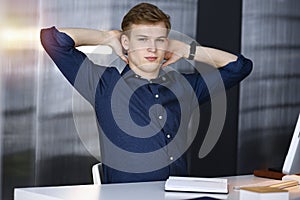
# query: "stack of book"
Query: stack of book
{"points": [[278, 191]]}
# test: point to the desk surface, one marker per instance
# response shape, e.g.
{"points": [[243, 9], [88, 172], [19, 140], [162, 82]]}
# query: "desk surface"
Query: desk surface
{"points": [[132, 191]]}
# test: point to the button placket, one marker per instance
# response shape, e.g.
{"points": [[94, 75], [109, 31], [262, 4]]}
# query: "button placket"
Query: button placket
{"points": [[156, 96]]}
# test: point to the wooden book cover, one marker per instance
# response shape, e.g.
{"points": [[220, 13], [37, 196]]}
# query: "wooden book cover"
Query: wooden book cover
{"points": [[263, 193]]}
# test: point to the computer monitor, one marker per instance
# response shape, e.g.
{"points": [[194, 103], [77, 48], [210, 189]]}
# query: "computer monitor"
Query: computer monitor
{"points": [[292, 160]]}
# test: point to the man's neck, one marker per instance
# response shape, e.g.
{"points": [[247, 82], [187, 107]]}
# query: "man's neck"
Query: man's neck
{"points": [[145, 75]]}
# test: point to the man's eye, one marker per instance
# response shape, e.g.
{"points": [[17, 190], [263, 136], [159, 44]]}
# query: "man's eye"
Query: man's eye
{"points": [[142, 39], [160, 40]]}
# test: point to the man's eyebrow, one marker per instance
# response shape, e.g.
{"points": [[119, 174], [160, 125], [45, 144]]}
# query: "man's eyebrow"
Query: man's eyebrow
{"points": [[142, 35], [151, 36]]}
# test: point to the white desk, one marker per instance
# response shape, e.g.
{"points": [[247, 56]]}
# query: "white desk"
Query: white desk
{"points": [[131, 191]]}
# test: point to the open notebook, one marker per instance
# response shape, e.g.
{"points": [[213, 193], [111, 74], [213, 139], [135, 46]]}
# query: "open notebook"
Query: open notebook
{"points": [[195, 184]]}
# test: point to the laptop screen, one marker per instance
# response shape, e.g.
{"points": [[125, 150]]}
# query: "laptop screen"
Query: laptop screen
{"points": [[292, 160]]}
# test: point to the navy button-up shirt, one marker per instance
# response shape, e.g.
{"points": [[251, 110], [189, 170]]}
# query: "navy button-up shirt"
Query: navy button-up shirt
{"points": [[143, 124]]}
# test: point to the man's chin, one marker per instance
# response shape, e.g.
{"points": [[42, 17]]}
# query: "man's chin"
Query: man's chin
{"points": [[151, 66]]}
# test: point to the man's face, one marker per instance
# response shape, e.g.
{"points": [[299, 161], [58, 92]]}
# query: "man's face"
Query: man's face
{"points": [[146, 46]]}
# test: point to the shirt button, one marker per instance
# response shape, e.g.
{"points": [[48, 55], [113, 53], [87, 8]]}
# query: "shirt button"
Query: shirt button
{"points": [[160, 117], [169, 136], [171, 158], [157, 96], [163, 78], [136, 76]]}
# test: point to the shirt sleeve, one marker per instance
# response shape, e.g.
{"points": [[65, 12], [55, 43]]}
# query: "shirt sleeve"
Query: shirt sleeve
{"points": [[81, 72], [235, 72], [205, 85]]}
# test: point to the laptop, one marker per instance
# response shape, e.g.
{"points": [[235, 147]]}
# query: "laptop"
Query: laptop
{"points": [[291, 165], [292, 160]]}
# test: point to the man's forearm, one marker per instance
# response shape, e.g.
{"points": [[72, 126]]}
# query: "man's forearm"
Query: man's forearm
{"points": [[86, 36], [214, 57], [211, 56]]}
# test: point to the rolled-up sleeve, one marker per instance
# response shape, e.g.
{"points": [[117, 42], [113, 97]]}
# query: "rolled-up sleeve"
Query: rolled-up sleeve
{"points": [[205, 85], [60, 47], [235, 72], [81, 72]]}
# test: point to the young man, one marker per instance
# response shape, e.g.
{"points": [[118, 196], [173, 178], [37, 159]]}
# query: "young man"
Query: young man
{"points": [[144, 111]]}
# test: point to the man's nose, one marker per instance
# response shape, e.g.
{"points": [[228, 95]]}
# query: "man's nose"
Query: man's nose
{"points": [[152, 46]]}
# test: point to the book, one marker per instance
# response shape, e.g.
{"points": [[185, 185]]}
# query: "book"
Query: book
{"points": [[283, 184], [292, 177], [277, 191], [196, 184], [263, 193], [268, 174]]}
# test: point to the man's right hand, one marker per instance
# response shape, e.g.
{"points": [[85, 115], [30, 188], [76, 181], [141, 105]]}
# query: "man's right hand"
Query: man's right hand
{"points": [[113, 40]]}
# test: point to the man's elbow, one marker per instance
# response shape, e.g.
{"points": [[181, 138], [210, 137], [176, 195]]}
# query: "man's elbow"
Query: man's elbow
{"points": [[248, 67]]}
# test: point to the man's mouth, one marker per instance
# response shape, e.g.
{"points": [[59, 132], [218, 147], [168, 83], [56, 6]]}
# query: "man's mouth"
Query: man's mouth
{"points": [[151, 58]]}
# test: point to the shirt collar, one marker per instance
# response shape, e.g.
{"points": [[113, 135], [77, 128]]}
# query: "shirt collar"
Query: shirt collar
{"points": [[163, 76]]}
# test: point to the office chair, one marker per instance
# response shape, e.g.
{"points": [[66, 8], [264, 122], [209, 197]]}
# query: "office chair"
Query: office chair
{"points": [[97, 173]]}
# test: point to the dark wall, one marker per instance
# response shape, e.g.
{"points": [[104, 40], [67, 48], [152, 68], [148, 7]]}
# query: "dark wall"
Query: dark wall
{"points": [[219, 26], [270, 97]]}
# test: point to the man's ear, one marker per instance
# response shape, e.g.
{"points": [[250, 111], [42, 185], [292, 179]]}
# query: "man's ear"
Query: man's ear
{"points": [[125, 41]]}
